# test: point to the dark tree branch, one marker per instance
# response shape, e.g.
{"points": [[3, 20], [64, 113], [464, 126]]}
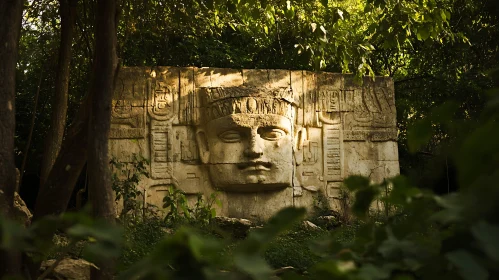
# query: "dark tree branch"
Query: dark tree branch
{"points": [[104, 72], [11, 12]]}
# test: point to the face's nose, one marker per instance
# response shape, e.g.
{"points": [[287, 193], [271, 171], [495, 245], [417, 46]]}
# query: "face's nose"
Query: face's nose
{"points": [[255, 145]]}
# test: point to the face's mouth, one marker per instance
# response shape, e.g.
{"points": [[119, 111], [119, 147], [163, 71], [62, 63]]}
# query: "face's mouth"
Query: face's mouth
{"points": [[255, 165]]}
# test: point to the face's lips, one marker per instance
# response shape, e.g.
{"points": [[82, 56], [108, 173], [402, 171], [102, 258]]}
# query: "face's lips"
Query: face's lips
{"points": [[255, 165]]}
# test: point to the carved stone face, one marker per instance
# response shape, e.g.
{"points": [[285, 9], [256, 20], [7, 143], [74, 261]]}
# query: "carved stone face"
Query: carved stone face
{"points": [[248, 152]]}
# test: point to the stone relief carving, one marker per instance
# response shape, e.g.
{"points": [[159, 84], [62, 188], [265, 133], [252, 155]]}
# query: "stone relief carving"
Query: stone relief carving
{"points": [[246, 138], [161, 100], [127, 112], [127, 119], [257, 136], [161, 150]]}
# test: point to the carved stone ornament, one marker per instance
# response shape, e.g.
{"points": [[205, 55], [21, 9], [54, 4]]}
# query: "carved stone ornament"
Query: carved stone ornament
{"points": [[263, 139], [246, 139]]}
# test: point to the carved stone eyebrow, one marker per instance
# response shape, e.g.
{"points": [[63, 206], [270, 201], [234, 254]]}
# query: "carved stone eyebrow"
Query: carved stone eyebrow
{"points": [[287, 131]]}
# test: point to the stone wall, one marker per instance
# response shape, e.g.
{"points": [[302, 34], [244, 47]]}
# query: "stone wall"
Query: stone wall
{"points": [[266, 139]]}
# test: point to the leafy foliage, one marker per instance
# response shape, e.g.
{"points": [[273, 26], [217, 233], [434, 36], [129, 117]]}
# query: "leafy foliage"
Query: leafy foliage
{"points": [[125, 181], [140, 239], [293, 249], [186, 254], [179, 210], [102, 240]]}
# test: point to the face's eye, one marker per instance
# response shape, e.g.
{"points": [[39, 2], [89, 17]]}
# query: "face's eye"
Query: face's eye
{"points": [[230, 136], [271, 134]]}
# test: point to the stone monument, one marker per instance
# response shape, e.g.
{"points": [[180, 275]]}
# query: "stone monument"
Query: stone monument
{"points": [[264, 139]]}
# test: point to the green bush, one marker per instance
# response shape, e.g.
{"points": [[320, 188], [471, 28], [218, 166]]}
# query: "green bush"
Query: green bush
{"points": [[125, 180], [293, 249], [179, 211], [140, 240]]}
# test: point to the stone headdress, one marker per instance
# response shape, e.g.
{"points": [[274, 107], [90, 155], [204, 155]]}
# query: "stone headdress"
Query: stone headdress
{"points": [[219, 102]]}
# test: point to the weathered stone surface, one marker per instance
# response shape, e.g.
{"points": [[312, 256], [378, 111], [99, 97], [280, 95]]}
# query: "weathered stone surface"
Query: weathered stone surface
{"points": [[128, 111], [265, 139], [328, 222], [308, 225], [21, 211], [256, 206], [238, 228], [68, 269], [282, 270]]}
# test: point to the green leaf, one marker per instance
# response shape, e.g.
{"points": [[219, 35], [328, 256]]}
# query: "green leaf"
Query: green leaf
{"points": [[398, 249], [369, 271], [423, 33], [419, 134], [195, 245], [285, 218], [402, 192], [99, 251], [469, 267], [13, 235], [100, 230], [363, 200], [443, 15], [454, 207], [356, 182], [218, 202], [254, 265], [258, 239], [488, 238], [478, 154], [372, 27], [329, 270], [447, 15]]}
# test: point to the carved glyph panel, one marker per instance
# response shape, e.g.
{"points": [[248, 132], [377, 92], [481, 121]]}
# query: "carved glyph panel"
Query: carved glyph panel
{"points": [[128, 105], [264, 139]]}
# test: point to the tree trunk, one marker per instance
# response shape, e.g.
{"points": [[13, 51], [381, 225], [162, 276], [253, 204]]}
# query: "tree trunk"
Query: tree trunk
{"points": [[10, 27], [30, 135], [53, 140], [104, 71], [53, 197]]}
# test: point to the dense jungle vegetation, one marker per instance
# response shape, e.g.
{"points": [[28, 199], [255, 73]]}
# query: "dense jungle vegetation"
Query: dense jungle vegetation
{"points": [[58, 61]]}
